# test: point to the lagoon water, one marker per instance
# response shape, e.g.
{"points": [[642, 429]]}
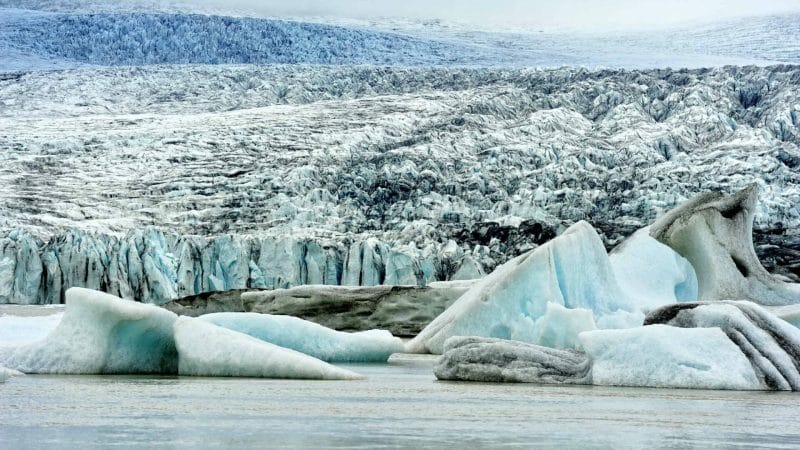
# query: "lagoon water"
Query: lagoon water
{"points": [[400, 404]]}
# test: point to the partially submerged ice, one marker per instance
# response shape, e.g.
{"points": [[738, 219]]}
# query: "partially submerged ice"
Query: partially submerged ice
{"points": [[205, 349], [310, 338], [101, 334], [715, 233], [668, 357], [720, 345], [771, 344], [5, 374], [568, 285], [499, 360]]}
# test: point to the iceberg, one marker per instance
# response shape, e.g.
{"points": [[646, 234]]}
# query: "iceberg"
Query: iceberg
{"points": [[310, 338], [652, 356], [101, 334], [715, 233], [701, 345], [668, 357], [499, 360], [770, 344], [5, 374], [572, 271], [205, 349]]}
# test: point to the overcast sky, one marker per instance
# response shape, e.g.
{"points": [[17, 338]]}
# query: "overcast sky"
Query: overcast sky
{"points": [[536, 14]]}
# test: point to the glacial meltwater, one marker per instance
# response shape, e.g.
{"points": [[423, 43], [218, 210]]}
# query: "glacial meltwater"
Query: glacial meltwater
{"points": [[400, 404]]}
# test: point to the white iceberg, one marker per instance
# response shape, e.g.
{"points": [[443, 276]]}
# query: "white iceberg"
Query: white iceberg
{"points": [[770, 344], [713, 345], [310, 338], [669, 357], [651, 356], [101, 334], [5, 374], [205, 349]]}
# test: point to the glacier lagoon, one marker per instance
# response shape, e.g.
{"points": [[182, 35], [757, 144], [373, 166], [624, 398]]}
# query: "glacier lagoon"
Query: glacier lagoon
{"points": [[399, 404]]}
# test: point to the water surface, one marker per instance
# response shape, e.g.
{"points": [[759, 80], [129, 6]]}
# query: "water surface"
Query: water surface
{"points": [[399, 405]]}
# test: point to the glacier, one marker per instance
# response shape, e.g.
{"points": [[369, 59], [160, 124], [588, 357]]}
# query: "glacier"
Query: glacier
{"points": [[104, 39], [56, 35], [83, 185], [310, 338], [205, 349], [564, 287]]}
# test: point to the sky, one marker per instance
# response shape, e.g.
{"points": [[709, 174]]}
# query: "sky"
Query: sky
{"points": [[533, 14]]}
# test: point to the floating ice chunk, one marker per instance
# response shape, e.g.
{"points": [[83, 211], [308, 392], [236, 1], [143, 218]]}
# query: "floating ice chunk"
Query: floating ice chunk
{"points": [[652, 274], [715, 233], [489, 359], [101, 334], [208, 350], [5, 374], [572, 270], [772, 345], [716, 345], [652, 356], [664, 356], [311, 338]]}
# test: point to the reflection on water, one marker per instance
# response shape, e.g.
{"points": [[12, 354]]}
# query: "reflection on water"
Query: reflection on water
{"points": [[399, 405]]}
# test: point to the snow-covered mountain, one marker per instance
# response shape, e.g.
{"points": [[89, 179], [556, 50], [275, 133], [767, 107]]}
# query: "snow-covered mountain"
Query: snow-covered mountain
{"points": [[365, 175]]}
